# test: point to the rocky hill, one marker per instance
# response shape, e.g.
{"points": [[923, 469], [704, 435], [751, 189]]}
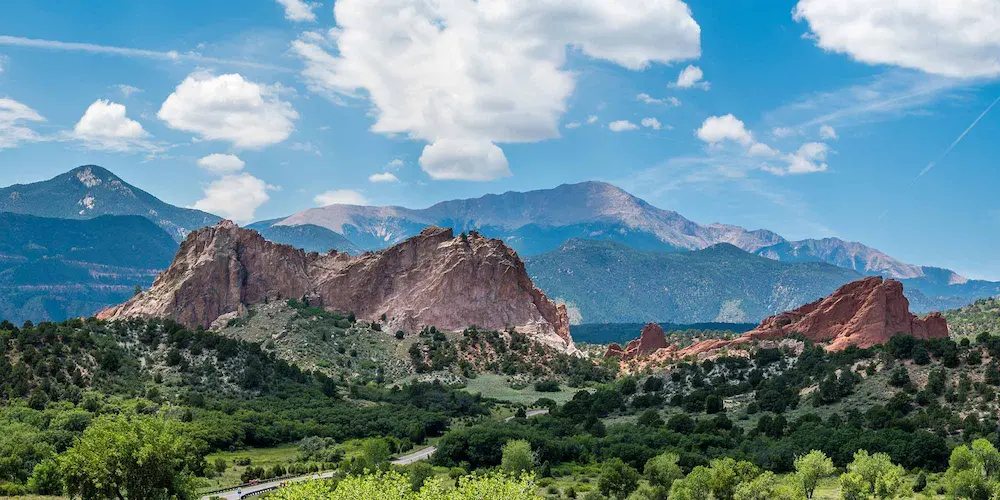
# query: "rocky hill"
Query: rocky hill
{"points": [[864, 313], [433, 278], [90, 191], [603, 282], [54, 269]]}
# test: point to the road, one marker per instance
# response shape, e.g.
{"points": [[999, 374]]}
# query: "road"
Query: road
{"points": [[530, 413], [416, 456], [248, 490]]}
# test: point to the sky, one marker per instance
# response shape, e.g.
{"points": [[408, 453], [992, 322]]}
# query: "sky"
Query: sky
{"points": [[867, 120]]}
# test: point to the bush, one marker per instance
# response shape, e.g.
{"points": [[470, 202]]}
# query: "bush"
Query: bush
{"points": [[548, 385]]}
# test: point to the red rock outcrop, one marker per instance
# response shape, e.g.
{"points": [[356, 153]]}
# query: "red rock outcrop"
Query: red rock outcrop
{"points": [[863, 313], [650, 340], [434, 278]]}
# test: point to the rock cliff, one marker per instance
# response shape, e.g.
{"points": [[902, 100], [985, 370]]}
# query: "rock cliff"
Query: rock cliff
{"points": [[650, 340], [433, 278], [862, 313]]}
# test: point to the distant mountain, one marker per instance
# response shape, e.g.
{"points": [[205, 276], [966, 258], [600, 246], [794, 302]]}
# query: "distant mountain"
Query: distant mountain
{"points": [[536, 222], [607, 282], [90, 191], [54, 269], [308, 237]]}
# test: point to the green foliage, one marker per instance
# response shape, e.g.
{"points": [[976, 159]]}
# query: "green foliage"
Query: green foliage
{"points": [[810, 468], [547, 385], [395, 486], [517, 457], [131, 456], [618, 479], [974, 471], [871, 476], [661, 471]]}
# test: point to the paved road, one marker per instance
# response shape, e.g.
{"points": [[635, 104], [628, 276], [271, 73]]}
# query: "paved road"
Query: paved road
{"points": [[530, 413], [416, 456], [247, 490]]}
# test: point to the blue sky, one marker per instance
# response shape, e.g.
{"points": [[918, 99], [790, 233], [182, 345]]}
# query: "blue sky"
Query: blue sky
{"points": [[811, 118]]}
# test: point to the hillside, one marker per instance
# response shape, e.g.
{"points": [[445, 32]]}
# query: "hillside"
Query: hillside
{"points": [[982, 316], [91, 191], [308, 237], [54, 269], [610, 282]]}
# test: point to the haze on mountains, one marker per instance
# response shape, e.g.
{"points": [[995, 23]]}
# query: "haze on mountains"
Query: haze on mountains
{"points": [[568, 235]]}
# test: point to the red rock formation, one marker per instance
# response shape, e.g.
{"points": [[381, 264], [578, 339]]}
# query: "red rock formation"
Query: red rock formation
{"points": [[431, 279], [650, 340], [863, 313]]}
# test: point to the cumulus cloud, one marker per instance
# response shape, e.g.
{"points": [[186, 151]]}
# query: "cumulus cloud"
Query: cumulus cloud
{"points": [[298, 11], [463, 159], [14, 116], [761, 149], [652, 123], [395, 163], [827, 132], [218, 163], [955, 38], [383, 177], [483, 73], [229, 108], [782, 132], [716, 129], [691, 77], [810, 157], [3, 62], [573, 125], [622, 126], [235, 196], [592, 119], [105, 126], [340, 197]]}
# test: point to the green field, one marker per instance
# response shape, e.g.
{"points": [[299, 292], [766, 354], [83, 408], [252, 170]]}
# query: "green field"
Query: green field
{"points": [[266, 457], [496, 387]]}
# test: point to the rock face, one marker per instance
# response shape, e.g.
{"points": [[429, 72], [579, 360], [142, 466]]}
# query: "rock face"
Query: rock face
{"points": [[863, 313], [650, 340], [433, 278]]}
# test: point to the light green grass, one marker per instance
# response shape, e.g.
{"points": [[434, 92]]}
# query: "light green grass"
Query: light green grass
{"points": [[260, 457], [496, 387]]}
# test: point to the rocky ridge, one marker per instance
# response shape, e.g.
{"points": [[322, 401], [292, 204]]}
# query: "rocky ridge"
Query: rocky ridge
{"points": [[862, 313], [433, 278]]}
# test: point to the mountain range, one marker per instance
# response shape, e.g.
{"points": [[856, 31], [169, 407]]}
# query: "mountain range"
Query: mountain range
{"points": [[543, 226]]}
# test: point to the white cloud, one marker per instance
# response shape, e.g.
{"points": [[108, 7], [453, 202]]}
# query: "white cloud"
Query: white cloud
{"points": [[810, 158], [13, 118], [458, 159], [3, 62], [218, 163], [955, 38], [127, 90], [169, 55], [690, 77], [383, 177], [782, 132], [105, 126], [229, 108], [827, 132], [298, 11], [395, 163], [652, 123], [716, 129], [340, 197], [622, 126], [592, 119], [236, 197], [573, 125], [306, 147], [483, 72], [668, 101], [761, 149]]}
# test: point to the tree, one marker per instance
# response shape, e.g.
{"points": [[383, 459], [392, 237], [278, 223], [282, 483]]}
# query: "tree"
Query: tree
{"points": [[899, 377], [661, 471], [617, 479], [713, 404], [972, 471], [650, 418], [517, 458], [728, 474], [420, 472], [810, 468], [871, 476], [680, 422], [46, 478], [696, 486], [130, 456], [375, 453]]}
